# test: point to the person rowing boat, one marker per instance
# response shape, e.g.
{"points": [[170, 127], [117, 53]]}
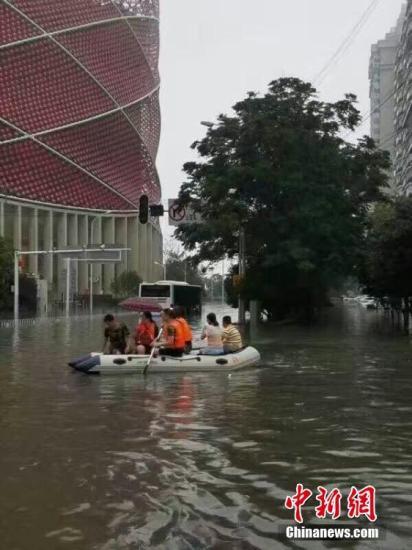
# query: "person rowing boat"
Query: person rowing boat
{"points": [[173, 342]]}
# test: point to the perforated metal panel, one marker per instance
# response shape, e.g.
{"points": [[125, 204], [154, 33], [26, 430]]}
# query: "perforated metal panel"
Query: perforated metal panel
{"points": [[145, 117], [79, 103], [106, 52], [29, 171], [13, 27], [54, 15]]}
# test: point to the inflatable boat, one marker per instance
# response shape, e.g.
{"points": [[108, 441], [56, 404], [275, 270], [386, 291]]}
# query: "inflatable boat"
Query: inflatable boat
{"points": [[98, 363]]}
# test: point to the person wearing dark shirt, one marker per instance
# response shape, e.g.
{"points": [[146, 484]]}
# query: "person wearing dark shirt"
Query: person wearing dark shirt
{"points": [[116, 335]]}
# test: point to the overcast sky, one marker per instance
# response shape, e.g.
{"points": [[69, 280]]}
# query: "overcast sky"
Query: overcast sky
{"points": [[214, 51]]}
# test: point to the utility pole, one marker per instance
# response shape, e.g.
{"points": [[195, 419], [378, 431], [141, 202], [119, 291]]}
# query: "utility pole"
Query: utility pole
{"points": [[223, 282], [242, 259], [242, 271], [16, 285], [91, 269], [68, 280], [91, 264]]}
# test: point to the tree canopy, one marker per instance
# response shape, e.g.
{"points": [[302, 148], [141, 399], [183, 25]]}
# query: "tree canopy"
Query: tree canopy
{"points": [[280, 168], [181, 268], [126, 284], [388, 250]]}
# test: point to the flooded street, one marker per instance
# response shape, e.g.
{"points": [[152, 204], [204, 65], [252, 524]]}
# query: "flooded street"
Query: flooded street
{"points": [[202, 461]]}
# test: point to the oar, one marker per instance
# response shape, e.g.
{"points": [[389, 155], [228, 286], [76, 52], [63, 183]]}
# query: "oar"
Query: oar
{"points": [[152, 353]]}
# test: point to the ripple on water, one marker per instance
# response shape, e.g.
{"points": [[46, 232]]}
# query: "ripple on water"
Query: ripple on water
{"points": [[352, 454], [187, 446], [200, 462], [66, 534], [78, 509], [245, 444]]}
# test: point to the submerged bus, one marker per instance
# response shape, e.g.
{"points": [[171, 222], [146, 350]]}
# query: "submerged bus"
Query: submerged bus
{"points": [[173, 293]]}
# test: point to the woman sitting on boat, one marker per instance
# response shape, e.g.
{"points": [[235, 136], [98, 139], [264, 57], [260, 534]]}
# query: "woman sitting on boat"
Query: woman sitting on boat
{"points": [[146, 333], [212, 333]]}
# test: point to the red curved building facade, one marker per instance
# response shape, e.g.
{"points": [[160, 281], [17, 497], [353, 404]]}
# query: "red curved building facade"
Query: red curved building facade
{"points": [[79, 102], [79, 130]]}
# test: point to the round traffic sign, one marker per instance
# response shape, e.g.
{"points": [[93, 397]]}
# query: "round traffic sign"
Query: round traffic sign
{"points": [[177, 213]]}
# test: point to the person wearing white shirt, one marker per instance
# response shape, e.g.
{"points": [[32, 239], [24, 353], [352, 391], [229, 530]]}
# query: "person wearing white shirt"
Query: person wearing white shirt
{"points": [[212, 332]]}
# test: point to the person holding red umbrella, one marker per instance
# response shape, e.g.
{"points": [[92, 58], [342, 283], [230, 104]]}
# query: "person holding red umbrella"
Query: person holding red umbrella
{"points": [[146, 332]]}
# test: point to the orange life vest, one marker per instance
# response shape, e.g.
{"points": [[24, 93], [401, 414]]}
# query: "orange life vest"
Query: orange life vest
{"points": [[187, 331], [174, 335]]}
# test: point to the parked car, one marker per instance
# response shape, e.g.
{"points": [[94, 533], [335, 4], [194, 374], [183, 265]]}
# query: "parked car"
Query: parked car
{"points": [[368, 302], [348, 298]]}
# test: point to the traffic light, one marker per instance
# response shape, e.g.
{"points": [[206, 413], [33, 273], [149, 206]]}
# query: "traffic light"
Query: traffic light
{"points": [[144, 209], [157, 210]]}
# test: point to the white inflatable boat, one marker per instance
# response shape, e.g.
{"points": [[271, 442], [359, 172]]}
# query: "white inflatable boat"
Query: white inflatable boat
{"points": [[98, 363]]}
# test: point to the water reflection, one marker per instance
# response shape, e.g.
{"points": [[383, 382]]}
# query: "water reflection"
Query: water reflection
{"points": [[200, 461]]}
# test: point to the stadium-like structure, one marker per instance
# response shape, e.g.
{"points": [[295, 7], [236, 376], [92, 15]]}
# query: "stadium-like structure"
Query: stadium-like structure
{"points": [[79, 131]]}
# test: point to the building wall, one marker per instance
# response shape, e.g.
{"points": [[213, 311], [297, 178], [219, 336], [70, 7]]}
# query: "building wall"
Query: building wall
{"points": [[403, 107], [382, 85], [79, 129], [36, 227]]}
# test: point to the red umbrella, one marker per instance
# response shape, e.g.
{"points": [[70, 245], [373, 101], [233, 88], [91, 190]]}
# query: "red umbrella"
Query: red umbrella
{"points": [[140, 304]]}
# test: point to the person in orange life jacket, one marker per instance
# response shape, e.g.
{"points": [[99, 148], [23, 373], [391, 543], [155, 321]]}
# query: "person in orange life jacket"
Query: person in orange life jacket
{"points": [[173, 338], [146, 332], [187, 330]]}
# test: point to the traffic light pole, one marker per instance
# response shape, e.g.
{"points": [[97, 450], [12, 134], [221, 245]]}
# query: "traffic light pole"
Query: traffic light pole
{"points": [[242, 271]]}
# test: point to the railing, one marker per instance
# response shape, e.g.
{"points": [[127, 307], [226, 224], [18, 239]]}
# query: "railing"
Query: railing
{"points": [[58, 318]]}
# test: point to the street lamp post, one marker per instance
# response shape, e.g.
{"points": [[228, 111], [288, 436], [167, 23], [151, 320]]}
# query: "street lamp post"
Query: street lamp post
{"points": [[242, 271], [68, 274], [223, 282], [91, 269], [242, 264], [16, 284], [91, 265]]}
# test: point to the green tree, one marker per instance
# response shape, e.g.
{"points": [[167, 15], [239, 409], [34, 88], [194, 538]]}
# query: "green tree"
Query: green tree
{"points": [[388, 253], [280, 168], [213, 288], [126, 284], [181, 268]]}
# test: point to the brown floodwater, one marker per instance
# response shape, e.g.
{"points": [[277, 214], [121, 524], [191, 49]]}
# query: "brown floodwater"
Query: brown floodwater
{"points": [[202, 461]]}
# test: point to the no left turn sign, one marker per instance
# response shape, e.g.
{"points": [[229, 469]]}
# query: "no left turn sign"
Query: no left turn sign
{"points": [[182, 214], [177, 213]]}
